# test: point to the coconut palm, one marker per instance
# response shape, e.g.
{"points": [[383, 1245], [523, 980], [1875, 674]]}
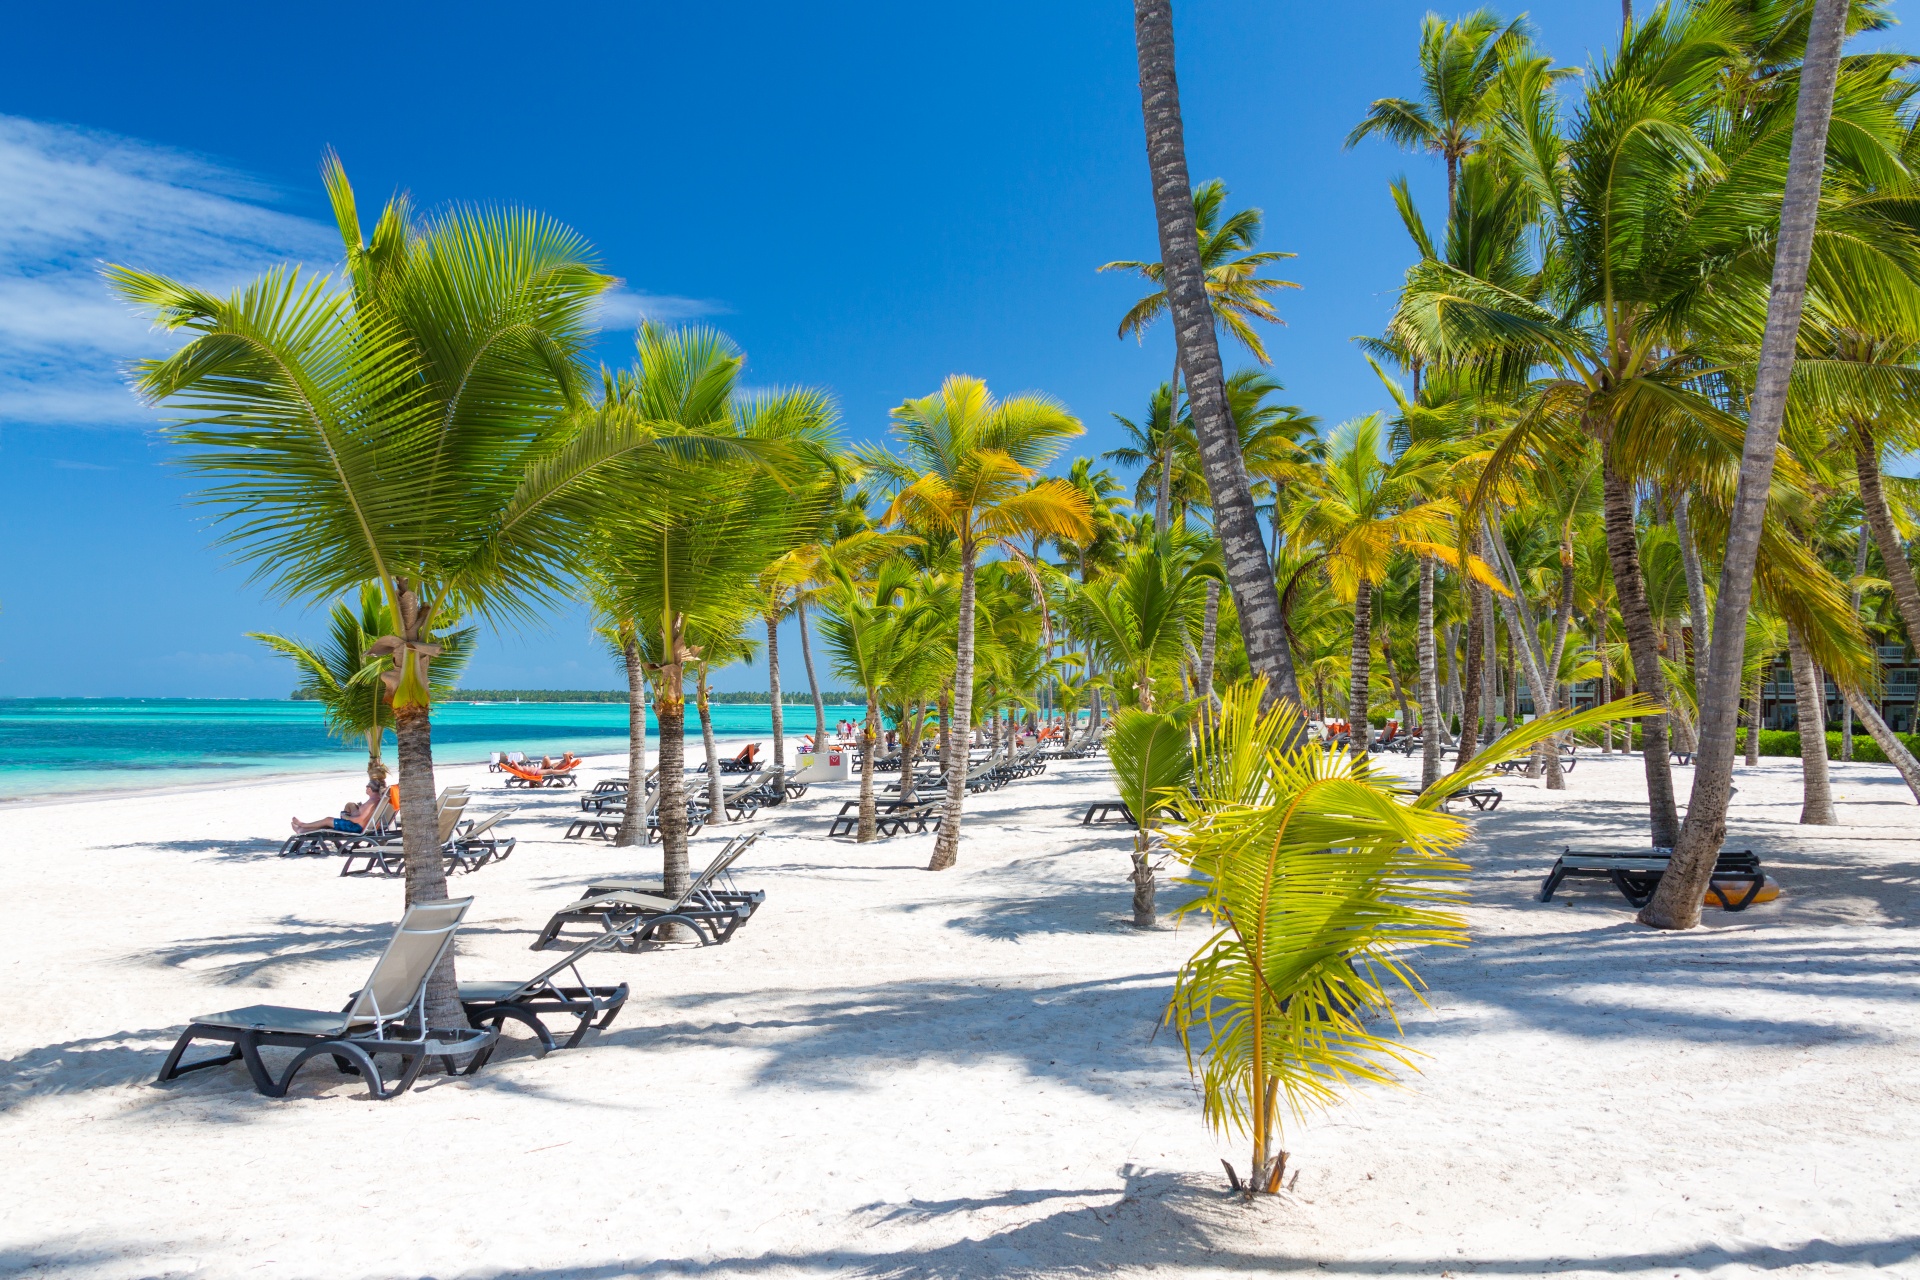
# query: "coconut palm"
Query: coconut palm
{"points": [[1249, 571], [869, 635], [682, 555], [1152, 758], [344, 678], [1362, 506], [1461, 67], [1655, 285], [1318, 879], [424, 427], [1143, 619], [963, 470]]}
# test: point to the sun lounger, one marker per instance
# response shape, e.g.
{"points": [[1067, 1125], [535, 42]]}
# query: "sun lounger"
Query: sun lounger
{"points": [[475, 847], [1737, 882], [1104, 811], [745, 762], [375, 1023], [493, 1003], [720, 886], [301, 843], [847, 821], [389, 858], [744, 799], [913, 819], [711, 919], [1480, 795]]}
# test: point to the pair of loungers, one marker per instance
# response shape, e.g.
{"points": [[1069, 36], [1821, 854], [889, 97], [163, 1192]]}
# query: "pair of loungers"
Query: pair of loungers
{"points": [[381, 1020], [464, 846], [711, 908], [891, 818], [560, 775]]}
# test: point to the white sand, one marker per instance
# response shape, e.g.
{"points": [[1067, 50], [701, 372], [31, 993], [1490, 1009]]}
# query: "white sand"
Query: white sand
{"points": [[891, 1072]]}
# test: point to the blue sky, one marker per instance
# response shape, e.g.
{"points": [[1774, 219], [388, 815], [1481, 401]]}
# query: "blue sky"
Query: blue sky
{"points": [[866, 197]]}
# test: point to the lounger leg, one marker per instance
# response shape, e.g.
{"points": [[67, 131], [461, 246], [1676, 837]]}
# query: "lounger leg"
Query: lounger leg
{"points": [[500, 1013], [249, 1046], [171, 1068], [1554, 877]]}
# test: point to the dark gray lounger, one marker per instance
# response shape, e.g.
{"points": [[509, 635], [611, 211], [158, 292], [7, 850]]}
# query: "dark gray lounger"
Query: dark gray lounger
{"points": [[383, 1018]]}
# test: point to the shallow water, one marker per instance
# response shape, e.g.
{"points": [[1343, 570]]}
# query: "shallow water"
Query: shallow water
{"points": [[63, 745]]}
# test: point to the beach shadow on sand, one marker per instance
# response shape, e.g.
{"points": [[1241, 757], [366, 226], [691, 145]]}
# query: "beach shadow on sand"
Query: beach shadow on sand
{"points": [[1152, 1221]]}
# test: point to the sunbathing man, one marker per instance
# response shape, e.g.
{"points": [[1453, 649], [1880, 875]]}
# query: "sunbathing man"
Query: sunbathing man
{"points": [[352, 820]]}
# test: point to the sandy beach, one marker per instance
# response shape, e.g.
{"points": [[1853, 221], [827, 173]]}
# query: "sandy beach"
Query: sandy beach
{"points": [[895, 1073]]}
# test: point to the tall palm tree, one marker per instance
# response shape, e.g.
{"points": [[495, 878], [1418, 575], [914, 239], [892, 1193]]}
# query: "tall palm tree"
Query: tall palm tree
{"points": [[680, 557], [422, 428], [963, 470], [1654, 289], [344, 678], [1249, 570], [1461, 63], [1677, 904]]}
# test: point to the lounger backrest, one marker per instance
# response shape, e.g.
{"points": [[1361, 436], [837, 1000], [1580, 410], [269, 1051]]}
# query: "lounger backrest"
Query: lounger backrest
{"points": [[424, 934], [450, 816], [486, 824], [382, 814], [729, 854]]}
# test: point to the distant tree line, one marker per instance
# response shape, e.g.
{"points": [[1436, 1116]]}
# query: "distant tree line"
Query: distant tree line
{"points": [[613, 695]]}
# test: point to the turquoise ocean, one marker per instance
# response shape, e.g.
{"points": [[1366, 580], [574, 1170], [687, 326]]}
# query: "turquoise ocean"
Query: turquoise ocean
{"points": [[59, 746]]}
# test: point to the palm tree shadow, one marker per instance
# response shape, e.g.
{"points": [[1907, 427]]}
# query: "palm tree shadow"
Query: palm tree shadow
{"points": [[290, 942], [243, 849]]}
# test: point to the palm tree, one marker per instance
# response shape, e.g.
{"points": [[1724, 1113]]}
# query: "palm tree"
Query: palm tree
{"points": [[1152, 757], [423, 428], [1152, 448], [871, 635], [963, 471], [345, 679], [1249, 571], [1317, 879], [681, 556], [1237, 292], [1676, 904], [1461, 64], [1651, 293], [1142, 619], [1362, 506]]}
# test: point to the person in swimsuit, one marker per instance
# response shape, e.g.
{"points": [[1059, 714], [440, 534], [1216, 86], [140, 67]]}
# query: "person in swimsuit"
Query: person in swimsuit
{"points": [[352, 820]]}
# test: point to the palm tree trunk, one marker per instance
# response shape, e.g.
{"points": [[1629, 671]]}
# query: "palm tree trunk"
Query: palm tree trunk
{"points": [[773, 694], [1873, 497], [1809, 695], [1430, 714], [633, 822], [670, 710], [1702, 656], [910, 752], [1362, 667], [946, 728], [1469, 703], [1682, 723], [1859, 572], [1489, 668], [1885, 738], [1236, 522], [946, 845], [813, 681], [1163, 493], [1676, 904], [1606, 696], [1753, 719], [1643, 649], [1470, 687], [869, 741], [420, 846], [716, 791], [1209, 642]]}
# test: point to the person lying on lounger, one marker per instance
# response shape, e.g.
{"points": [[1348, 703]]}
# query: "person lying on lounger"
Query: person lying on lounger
{"points": [[352, 820]]}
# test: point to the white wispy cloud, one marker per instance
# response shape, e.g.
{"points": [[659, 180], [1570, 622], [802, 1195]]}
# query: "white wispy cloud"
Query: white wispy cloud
{"points": [[624, 308], [73, 199]]}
